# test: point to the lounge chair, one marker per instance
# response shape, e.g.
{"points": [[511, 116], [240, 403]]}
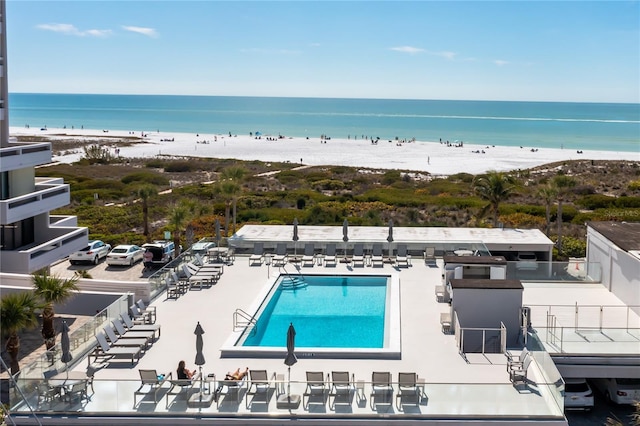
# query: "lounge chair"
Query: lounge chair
{"points": [[201, 275], [116, 341], [430, 255], [233, 388], [181, 282], [402, 257], [408, 389], [358, 254], [342, 386], [131, 326], [122, 331], [519, 373], [173, 289], [281, 257], [47, 392], [445, 322], [139, 316], [259, 383], [309, 256], [103, 350], [147, 310], [183, 386], [330, 255], [516, 363], [153, 382], [258, 254], [376, 255], [381, 389], [316, 387], [77, 392]]}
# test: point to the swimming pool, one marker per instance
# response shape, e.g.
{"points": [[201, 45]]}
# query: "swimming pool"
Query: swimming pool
{"points": [[335, 316], [327, 312]]}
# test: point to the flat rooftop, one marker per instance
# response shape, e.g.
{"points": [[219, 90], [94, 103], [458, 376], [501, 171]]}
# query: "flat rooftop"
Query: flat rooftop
{"points": [[471, 387]]}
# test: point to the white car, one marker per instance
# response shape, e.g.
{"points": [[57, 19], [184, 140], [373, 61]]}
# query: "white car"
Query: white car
{"points": [[93, 252], [125, 255], [577, 395], [619, 390]]}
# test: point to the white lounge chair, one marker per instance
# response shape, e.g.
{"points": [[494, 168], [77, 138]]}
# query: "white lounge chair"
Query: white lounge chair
{"points": [[430, 255], [376, 255], [258, 254], [281, 257], [309, 256], [402, 257], [103, 350], [358, 254], [330, 255]]}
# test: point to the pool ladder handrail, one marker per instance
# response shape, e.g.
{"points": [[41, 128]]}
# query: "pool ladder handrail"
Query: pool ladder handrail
{"points": [[243, 321], [294, 282]]}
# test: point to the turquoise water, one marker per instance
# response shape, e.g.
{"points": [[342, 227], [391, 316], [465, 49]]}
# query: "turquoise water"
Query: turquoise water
{"points": [[592, 126], [327, 312]]}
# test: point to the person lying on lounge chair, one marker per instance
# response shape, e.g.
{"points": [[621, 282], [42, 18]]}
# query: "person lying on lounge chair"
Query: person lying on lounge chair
{"points": [[237, 375]]}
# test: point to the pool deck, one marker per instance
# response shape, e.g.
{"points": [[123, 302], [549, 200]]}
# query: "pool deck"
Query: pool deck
{"points": [[455, 388]]}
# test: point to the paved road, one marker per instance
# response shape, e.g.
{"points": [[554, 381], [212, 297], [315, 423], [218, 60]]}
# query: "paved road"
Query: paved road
{"points": [[102, 271]]}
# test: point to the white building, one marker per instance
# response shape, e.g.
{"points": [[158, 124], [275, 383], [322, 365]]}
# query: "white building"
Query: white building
{"points": [[30, 238]]}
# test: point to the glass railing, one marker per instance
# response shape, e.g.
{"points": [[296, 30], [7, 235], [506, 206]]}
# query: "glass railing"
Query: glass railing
{"points": [[550, 374], [572, 271], [423, 401], [82, 341]]}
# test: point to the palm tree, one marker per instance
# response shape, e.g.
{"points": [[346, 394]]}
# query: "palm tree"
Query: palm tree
{"points": [[548, 194], [145, 192], [177, 218], [235, 174], [17, 312], [494, 187], [562, 184], [52, 290], [229, 189]]}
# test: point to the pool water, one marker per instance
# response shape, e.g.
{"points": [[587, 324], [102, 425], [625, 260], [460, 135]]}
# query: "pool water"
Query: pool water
{"points": [[326, 311]]}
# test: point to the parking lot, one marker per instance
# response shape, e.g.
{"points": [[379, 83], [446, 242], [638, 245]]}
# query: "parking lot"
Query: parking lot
{"points": [[102, 271]]}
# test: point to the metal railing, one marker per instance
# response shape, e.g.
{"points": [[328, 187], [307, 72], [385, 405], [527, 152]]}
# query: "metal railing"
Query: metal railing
{"points": [[242, 321]]}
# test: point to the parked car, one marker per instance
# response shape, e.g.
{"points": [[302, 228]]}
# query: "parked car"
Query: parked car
{"points": [[125, 255], [619, 390], [93, 252], [527, 261], [577, 395], [163, 252], [202, 247]]}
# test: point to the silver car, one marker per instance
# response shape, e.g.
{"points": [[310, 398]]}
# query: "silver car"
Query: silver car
{"points": [[125, 255], [93, 252]]}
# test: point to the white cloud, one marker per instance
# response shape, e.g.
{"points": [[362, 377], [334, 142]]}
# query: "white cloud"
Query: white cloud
{"points": [[447, 55], [149, 32], [407, 49], [500, 62], [69, 29]]}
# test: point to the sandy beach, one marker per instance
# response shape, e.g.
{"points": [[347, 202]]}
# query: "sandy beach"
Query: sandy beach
{"points": [[437, 158]]}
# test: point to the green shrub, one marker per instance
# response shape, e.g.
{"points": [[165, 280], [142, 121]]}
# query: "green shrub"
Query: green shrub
{"points": [[145, 177], [155, 164], [634, 185], [179, 167], [596, 201], [328, 185], [627, 202]]}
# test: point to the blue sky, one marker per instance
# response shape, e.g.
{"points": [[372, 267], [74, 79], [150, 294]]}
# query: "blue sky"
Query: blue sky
{"points": [[504, 50]]}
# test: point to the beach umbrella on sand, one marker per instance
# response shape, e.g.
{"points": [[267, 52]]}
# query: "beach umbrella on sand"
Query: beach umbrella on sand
{"points": [[291, 356], [65, 345], [345, 236], [217, 227], [295, 237], [199, 355]]}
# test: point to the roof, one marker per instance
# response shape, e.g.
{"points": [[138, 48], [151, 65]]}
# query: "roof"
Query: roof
{"points": [[487, 284], [476, 260], [625, 235]]}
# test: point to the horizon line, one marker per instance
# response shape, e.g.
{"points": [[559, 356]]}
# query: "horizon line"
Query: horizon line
{"points": [[324, 97]]}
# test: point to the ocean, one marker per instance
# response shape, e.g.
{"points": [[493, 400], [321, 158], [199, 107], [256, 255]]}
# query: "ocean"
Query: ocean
{"points": [[580, 126]]}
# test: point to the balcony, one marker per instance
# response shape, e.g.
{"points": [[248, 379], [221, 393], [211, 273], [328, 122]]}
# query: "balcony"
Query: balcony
{"points": [[20, 156], [60, 243], [45, 198]]}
